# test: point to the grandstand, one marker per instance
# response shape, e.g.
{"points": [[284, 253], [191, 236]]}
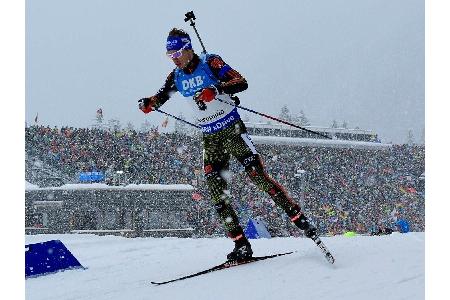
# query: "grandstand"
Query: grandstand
{"points": [[342, 184], [282, 130]]}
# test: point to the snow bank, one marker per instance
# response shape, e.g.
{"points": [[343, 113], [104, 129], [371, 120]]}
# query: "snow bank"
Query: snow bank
{"points": [[30, 186], [276, 140], [102, 186], [371, 268]]}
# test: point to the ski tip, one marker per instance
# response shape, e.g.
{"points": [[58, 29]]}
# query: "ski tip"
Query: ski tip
{"points": [[281, 254], [330, 258]]}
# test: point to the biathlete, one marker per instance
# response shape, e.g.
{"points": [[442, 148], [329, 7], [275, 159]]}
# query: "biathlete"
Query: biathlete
{"points": [[203, 80]]}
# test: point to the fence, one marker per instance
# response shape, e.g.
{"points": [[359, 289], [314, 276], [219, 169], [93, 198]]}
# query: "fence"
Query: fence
{"points": [[133, 210]]}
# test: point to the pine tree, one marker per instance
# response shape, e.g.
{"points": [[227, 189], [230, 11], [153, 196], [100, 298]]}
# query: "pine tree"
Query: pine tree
{"points": [[285, 114], [410, 138], [334, 124], [296, 119], [146, 126], [180, 127], [303, 120], [114, 125], [129, 127]]}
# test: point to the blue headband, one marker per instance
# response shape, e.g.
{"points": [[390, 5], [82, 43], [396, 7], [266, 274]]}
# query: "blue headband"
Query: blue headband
{"points": [[177, 42]]}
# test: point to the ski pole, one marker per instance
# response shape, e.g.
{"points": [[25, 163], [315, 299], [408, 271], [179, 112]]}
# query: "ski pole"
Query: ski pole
{"points": [[273, 118], [176, 118], [189, 16]]}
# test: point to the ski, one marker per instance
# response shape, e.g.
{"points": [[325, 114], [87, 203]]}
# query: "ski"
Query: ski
{"points": [[222, 266], [324, 249]]}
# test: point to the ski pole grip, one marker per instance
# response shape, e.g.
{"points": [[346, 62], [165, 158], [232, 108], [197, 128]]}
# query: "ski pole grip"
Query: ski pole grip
{"points": [[189, 16]]}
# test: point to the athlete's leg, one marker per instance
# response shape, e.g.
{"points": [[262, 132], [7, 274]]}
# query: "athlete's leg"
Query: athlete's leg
{"points": [[216, 159], [241, 147]]}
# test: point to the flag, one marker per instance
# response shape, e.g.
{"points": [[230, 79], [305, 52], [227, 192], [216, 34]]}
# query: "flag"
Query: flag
{"points": [[99, 113], [36, 118], [164, 123]]}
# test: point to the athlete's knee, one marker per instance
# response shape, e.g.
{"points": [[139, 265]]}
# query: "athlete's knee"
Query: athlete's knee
{"points": [[221, 207], [218, 169], [255, 170], [213, 173], [209, 171], [252, 165]]}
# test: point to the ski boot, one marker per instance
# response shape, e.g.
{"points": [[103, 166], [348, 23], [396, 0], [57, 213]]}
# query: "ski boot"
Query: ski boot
{"points": [[311, 232], [242, 251], [302, 222]]}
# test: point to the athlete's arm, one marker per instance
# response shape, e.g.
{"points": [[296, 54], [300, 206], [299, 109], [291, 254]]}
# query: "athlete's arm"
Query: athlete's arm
{"points": [[166, 91], [231, 81]]}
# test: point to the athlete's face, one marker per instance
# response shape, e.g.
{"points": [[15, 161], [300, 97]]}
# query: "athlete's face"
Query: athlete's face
{"points": [[181, 58]]}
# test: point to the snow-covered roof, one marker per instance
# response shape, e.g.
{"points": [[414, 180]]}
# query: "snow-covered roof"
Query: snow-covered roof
{"points": [[102, 186], [30, 186], [276, 140]]}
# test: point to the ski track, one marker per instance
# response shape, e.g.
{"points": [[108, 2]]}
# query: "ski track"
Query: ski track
{"points": [[380, 267]]}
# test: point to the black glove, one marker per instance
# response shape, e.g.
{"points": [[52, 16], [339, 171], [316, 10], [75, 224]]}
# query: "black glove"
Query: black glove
{"points": [[235, 99]]}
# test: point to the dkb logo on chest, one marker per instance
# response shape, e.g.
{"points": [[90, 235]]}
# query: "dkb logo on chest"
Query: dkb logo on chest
{"points": [[192, 82]]}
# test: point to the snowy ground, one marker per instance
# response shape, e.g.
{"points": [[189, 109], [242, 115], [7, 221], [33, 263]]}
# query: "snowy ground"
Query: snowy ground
{"points": [[385, 267]]}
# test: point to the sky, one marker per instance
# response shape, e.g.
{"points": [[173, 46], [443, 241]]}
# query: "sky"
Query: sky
{"points": [[358, 61]]}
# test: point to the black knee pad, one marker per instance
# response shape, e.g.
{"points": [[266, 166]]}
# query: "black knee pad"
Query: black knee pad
{"points": [[253, 165], [220, 207], [250, 161], [302, 222], [212, 171]]}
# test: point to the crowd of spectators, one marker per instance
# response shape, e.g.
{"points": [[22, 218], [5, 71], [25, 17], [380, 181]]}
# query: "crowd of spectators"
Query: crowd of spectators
{"points": [[142, 157], [340, 189]]}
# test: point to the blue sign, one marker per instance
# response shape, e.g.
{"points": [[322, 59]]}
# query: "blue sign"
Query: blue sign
{"points": [[91, 177], [256, 229], [48, 257], [403, 225]]}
